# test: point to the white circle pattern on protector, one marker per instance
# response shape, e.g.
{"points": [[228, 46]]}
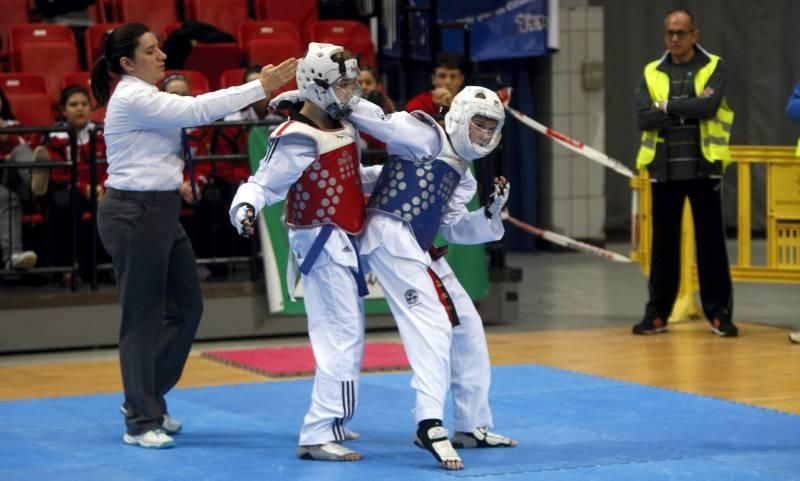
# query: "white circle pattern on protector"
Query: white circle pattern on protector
{"points": [[326, 202], [313, 176], [346, 165], [324, 174], [335, 199], [331, 210], [393, 193], [329, 191], [321, 184], [320, 212], [339, 189], [306, 196]]}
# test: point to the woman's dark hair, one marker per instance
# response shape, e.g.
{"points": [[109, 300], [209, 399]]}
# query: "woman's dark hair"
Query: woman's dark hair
{"points": [[5, 108], [121, 42], [71, 90]]}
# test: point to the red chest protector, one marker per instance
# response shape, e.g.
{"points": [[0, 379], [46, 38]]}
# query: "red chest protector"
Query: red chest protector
{"points": [[329, 191]]}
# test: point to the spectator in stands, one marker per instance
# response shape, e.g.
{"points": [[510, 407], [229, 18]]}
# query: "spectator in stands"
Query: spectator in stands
{"points": [[194, 225], [447, 80], [14, 188], [75, 109], [233, 140], [372, 89], [178, 84], [138, 220]]}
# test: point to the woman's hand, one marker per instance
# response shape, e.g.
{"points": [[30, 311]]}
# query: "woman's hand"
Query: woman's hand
{"points": [[275, 77], [186, 192]]}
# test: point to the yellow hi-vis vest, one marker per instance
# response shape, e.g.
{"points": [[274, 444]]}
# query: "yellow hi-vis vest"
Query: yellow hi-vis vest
{"points": [[715, 133]]}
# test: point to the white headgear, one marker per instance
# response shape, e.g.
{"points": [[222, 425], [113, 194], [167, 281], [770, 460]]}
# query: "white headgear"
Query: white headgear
{"points": [[318, 75], [472, 101]]}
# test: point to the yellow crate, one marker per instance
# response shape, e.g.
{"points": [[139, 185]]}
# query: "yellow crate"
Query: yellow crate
{"points": [[787, 240], [783, 187]]}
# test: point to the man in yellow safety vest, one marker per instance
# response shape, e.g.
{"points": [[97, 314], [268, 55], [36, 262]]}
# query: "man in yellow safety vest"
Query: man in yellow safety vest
{"points": [[686, 125]]}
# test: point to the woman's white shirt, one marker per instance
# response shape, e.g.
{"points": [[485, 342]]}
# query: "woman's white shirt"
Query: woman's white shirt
{"points": [[142, 130]]}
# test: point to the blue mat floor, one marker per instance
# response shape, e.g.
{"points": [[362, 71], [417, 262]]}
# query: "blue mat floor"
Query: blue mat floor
{"points": [[570, 426]]}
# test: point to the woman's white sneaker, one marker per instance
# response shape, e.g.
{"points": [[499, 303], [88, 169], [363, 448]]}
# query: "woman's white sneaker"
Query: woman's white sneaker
{"points": [[171, 425], [156, 439]]}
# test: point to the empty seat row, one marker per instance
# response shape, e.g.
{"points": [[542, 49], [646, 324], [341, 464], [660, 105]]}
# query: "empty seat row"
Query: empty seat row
{"points": [[32, 106], [50, 49]]}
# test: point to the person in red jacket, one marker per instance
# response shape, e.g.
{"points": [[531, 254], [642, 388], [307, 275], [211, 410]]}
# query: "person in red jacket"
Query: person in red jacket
{"points": [[447, 80], [373, 90], [75, 109]]}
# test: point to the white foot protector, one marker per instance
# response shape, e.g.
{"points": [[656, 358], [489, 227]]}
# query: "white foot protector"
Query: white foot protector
{"points": [[481, 437], [327, 452], [441, 448]]}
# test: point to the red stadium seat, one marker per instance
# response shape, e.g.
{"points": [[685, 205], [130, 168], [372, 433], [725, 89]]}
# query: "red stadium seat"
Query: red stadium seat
{"points": [[15, 12], [250, 31], [21, 35], [52, 60], [198, 83], [301, 13], [211, 59], [15, 83], [226, 15], [273, 51], [352, 35], [156, 14], [93, 40], [231, 78], [32, 109], [84, 79]]}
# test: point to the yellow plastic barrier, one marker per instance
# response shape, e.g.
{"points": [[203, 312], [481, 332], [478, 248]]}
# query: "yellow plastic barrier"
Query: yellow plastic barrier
{"points": [[782, 227]]}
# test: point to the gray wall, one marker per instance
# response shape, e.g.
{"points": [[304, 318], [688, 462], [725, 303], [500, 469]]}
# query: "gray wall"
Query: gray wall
{"points": [[757, 39]]}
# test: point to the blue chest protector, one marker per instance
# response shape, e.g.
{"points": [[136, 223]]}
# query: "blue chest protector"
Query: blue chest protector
{"points": [[417, 193]]}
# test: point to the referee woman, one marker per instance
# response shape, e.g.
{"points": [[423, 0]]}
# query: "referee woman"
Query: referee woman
{"points": [[138, 219]]}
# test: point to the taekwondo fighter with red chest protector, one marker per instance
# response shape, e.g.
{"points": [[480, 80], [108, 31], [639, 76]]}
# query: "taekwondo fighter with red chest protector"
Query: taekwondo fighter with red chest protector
{"points": [[313, 163]]}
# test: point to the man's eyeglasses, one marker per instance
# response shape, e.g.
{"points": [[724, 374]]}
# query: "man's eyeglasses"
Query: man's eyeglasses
{"points": [[681, 34]]}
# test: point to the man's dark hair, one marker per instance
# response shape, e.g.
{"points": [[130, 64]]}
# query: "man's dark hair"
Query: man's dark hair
{"points": [[683, 10], [449, 61]]}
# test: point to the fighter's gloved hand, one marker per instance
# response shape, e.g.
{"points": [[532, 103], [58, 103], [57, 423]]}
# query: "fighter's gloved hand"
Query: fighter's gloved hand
{"points": [[245, 220], [282, 101], [498, 198]]}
